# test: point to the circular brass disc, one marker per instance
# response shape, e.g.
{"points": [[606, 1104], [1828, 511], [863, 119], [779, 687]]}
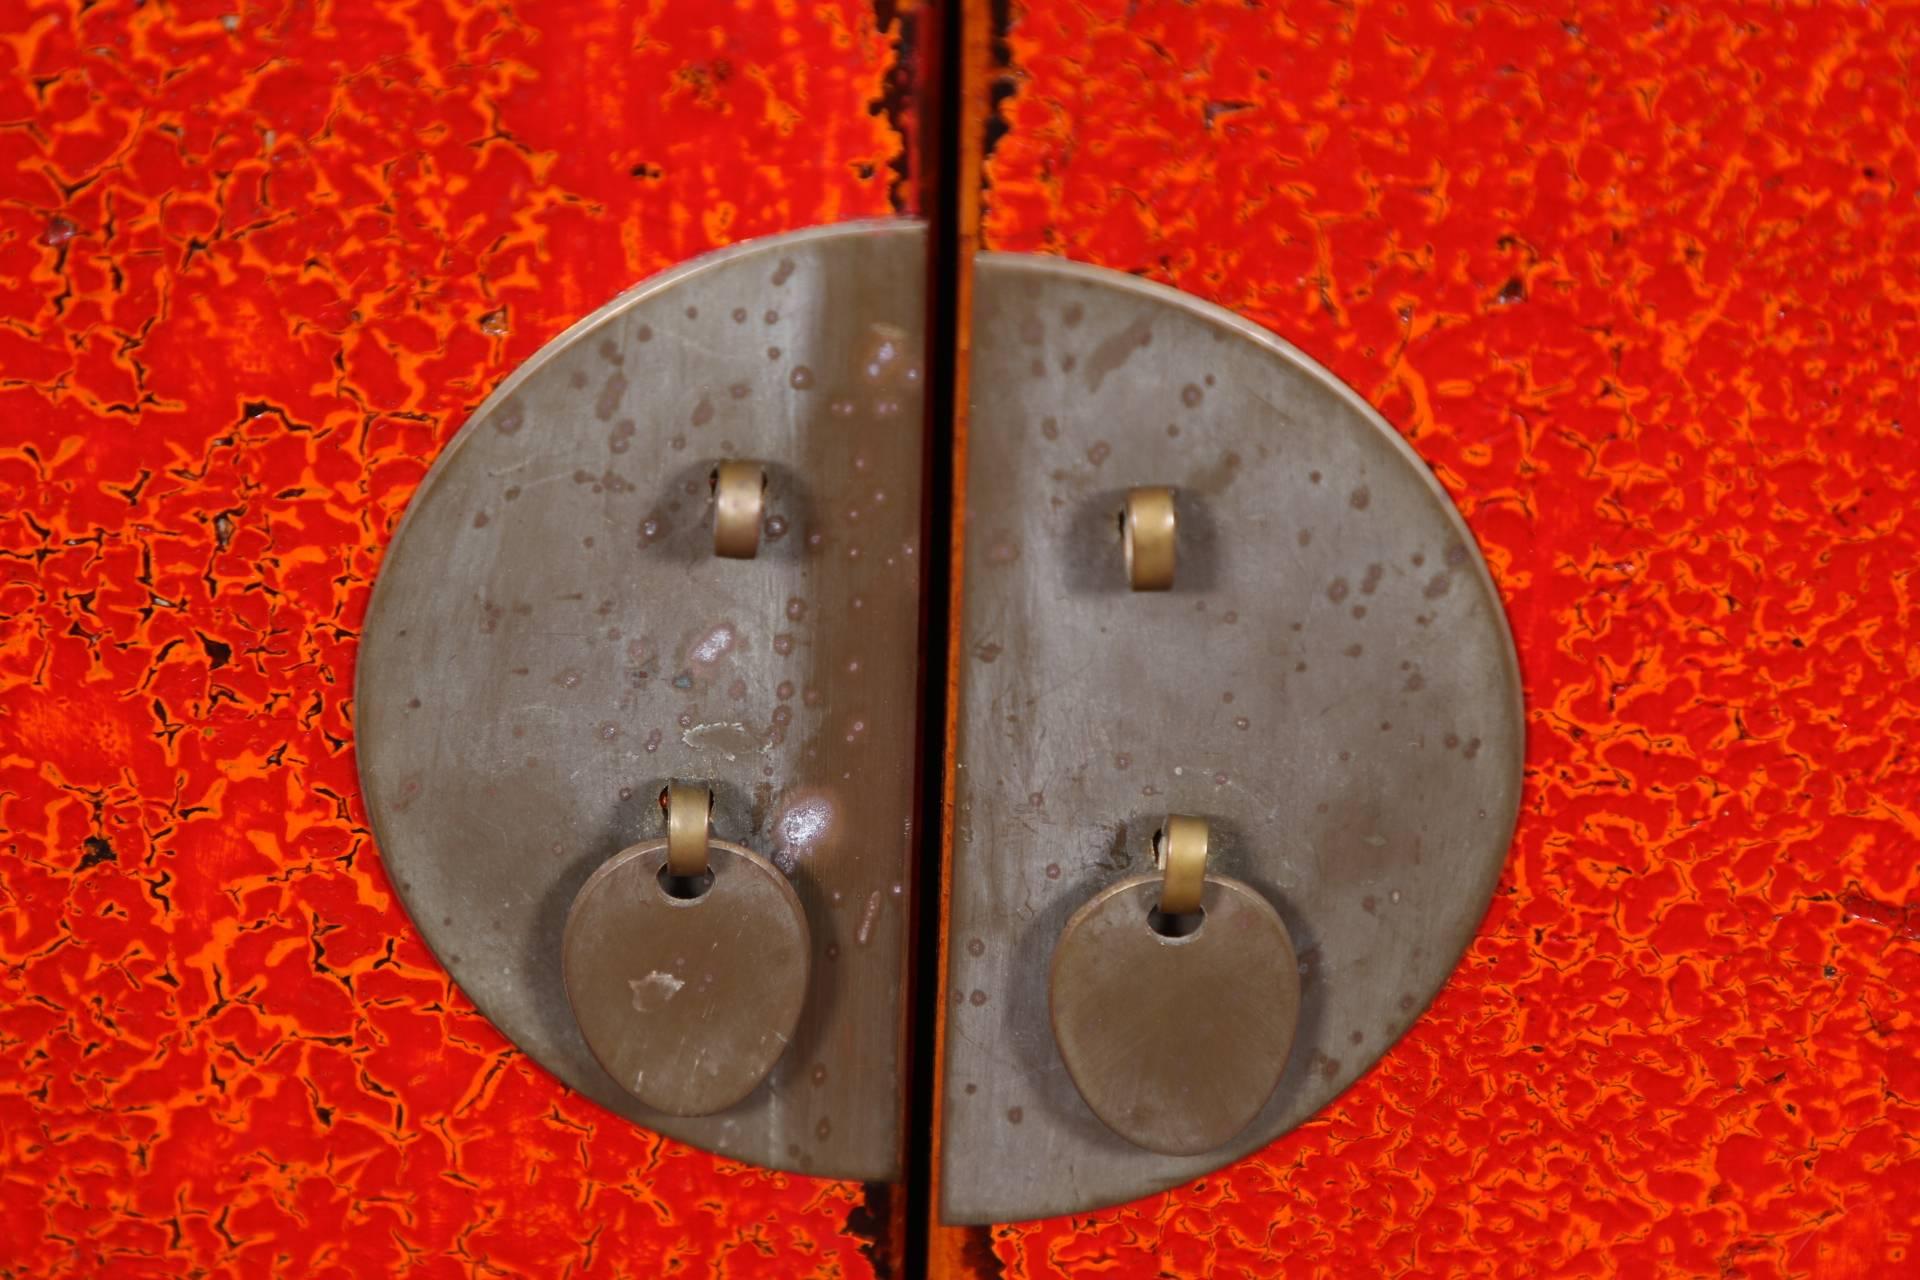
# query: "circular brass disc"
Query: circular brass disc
{"points": [[687, 1002], [1175, 1042]]}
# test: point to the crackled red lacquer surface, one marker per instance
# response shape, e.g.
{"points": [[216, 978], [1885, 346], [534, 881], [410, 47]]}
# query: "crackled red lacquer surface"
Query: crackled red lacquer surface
{"points": [[257, 262], [1640, 282]]}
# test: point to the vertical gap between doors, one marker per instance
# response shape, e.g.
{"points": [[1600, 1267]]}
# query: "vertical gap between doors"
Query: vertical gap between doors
{"points": [[949, 234]]}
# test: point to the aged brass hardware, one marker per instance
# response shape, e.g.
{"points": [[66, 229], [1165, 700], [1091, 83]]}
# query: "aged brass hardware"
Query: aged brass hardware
{"points": [[1147, 530], [689, 811], [1180, 852], [1328, 680], [738, 492], [1175, 1034], [685, 962], [555, 634]]}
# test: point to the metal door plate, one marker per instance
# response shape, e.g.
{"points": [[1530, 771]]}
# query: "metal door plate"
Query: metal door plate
{"points": [[1330, 683], [552, 637]]}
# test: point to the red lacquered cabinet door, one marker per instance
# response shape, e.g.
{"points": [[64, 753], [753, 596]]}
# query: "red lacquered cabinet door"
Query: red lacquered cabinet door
{"points": [[257, 263], [1639, 283]]}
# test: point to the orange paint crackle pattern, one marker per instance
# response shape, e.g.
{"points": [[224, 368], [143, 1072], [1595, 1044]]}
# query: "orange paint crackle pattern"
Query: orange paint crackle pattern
{"points": [[256, 265], [1641, 282]]}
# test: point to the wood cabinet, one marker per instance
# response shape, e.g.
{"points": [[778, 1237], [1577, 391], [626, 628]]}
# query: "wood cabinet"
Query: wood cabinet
{"points": [[1637, 281]]}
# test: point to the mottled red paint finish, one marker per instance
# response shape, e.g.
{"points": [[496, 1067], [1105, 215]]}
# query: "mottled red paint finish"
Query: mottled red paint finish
{"points": [[256, 265], [1641, 282]]}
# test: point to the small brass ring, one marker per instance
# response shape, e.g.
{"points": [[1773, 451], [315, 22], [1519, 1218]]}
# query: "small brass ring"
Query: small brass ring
{"points": [[1180, 852], [1147, 536], [689, 817], [739, 495]]}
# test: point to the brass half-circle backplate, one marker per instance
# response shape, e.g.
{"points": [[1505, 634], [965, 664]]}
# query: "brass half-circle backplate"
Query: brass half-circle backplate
{"points": [[552, 637], [1329, 683]]}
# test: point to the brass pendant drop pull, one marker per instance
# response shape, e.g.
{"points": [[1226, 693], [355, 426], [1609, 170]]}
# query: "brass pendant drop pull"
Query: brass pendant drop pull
{"points": [[686, 963], [1174, 1000]]}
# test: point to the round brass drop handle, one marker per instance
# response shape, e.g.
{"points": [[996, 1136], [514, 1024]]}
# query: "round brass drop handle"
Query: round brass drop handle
{"points": [[686, 962], [1174, 999]]}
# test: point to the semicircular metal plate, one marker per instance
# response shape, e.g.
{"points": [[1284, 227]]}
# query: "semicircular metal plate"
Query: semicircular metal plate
{"points": [[1330, 683], [552, 637]]}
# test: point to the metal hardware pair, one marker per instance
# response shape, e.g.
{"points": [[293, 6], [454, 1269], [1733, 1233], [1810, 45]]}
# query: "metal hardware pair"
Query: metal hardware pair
{"points": [[1316, 661], [1148, 523]]}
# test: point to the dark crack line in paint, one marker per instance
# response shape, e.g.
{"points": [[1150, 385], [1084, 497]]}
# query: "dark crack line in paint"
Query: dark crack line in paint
{"points": [[898, 93], [1005, 83], [871, 1221]]}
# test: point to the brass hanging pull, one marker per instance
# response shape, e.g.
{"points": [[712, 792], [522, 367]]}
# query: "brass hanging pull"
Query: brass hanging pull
{"points": [[1175, 1024], [1147, 528], [739, 498], [686, 961]]}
